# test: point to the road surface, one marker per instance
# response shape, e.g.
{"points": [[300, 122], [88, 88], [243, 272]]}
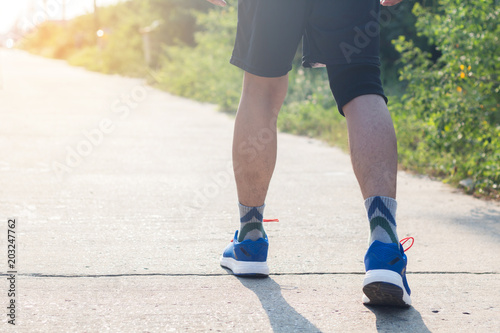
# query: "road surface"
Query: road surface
{"points": [[124, 200]]}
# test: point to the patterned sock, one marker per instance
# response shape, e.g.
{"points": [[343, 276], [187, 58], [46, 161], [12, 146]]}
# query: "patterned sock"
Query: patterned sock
{"points": [[251, 223], [382, 217]]}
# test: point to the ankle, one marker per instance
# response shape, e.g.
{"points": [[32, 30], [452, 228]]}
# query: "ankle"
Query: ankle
{"points": [[251, 219], [382, 218]]}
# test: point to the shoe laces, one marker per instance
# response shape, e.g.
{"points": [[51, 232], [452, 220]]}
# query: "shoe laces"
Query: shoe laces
{"points": [[404, 240]]}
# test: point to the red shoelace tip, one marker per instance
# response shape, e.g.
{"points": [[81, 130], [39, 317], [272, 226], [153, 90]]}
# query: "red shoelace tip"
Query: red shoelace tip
{"points": [[404, 240], [266, 220]]}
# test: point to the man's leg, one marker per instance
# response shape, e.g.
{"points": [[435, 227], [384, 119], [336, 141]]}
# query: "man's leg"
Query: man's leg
{"points": [[254, 147], [254, 141], [373, 146], [254, 158], [267, 37]]}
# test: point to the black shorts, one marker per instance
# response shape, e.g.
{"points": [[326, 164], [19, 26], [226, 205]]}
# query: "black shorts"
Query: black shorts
{"points": [[344, 35]]}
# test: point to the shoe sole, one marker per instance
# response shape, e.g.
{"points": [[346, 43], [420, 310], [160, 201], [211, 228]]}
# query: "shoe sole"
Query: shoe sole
{"points": [[245, 268], [385, 287]]}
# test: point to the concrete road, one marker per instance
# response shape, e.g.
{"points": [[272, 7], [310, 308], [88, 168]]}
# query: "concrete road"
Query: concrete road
{"points": [[124, 199]]}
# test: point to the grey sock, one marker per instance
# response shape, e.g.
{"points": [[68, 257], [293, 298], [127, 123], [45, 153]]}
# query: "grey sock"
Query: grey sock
{"points": [[382, 217], [251, 223]]}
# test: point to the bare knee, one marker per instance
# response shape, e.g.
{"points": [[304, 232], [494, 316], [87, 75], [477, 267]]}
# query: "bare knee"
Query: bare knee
{"points": [[270, 91], [365, 104]]}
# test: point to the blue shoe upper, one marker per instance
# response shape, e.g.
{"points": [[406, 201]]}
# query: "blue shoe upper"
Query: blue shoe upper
{"points": [[247, 250], [389, 256]]}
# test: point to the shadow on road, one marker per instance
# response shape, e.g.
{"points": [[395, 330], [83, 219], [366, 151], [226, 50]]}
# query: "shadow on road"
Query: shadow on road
{"points": [[398, 320], [283, 317], [485, 220]]}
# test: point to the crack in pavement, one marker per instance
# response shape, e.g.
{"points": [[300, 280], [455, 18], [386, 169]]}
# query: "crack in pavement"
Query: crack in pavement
{"points": [[41, 275]]}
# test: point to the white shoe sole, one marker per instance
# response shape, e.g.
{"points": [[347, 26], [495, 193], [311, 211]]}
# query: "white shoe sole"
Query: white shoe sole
{"points": [[245, 267], [385, 287]]}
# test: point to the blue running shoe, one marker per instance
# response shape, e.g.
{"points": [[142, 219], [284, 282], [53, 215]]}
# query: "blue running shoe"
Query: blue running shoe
{"points": [[247, 258], [385, 279]]}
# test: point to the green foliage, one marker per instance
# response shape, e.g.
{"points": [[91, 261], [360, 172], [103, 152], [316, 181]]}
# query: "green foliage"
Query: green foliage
{"points": [[399, 21], [119, 50], [179, 19], [310, 109], [178, 24], [448, 120], [203, 72]]}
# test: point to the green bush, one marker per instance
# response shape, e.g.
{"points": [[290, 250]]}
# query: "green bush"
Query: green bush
{"points": [[448, 119], [203, 72], [120, 49], [310, 109]]}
